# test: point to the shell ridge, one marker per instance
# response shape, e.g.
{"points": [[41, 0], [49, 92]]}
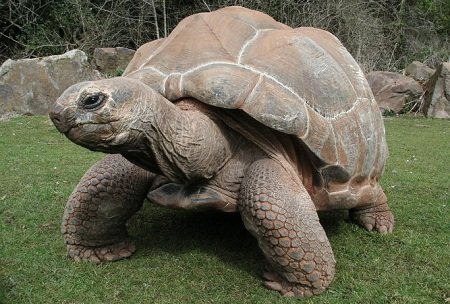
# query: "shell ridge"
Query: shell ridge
{"points": [[246, 44], [164, 85], [200, 66], [338, 115], [146, 69], [277, 46], [180, 83], [245, 101], [335, 144], [305, 104], [269, 76]]}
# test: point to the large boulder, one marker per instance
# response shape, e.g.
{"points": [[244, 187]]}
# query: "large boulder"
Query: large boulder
{"points": [[437, 93], [30, 86], [111, 60], [419, 71], [393, 91]]}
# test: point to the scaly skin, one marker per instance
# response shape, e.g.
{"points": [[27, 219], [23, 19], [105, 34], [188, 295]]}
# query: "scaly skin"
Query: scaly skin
{"points": [[95, 215], [280, 214], [376, 217]]}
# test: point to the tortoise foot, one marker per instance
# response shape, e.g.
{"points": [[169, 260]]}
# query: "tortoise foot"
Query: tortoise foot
{"points": [[289, 289], [379, 221], [109, 253], [375, 217]]}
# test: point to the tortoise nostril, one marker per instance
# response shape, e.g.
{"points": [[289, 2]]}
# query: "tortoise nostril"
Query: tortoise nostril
{"points": [[58, 119], [55, 119]]}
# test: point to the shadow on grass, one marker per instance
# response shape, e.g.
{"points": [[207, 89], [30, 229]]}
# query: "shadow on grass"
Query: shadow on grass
{"points": [[332, 220], [176, 232], [222, 235]]}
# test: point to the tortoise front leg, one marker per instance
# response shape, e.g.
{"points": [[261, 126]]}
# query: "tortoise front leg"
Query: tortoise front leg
{"points": [[281, 215], [94, 220]]}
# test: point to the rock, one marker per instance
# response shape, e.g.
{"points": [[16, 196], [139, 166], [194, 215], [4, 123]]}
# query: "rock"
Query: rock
{"points": [[437, 93], [29, 86], [111, 60], [393, 91], [419, 71]]}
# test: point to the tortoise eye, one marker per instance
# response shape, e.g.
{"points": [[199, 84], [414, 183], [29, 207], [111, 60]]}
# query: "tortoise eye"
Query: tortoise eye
{"points": [[93, 101]]}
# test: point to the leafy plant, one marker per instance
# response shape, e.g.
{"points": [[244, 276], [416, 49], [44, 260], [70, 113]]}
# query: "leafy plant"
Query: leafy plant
{"points": [[380, 34]]}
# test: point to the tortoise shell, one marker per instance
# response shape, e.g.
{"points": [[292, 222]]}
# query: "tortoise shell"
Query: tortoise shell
{"points": [[299, 81]]}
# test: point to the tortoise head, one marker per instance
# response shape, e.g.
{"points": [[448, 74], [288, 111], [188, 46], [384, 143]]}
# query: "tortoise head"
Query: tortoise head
{"points": [[99, 114]]}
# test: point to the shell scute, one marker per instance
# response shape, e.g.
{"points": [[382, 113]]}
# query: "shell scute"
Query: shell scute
{"points": [[276, 108], [222, 84]]}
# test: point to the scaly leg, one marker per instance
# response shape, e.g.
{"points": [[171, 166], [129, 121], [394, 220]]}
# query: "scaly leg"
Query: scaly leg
{"points": [[94, 220], [279, 212]]}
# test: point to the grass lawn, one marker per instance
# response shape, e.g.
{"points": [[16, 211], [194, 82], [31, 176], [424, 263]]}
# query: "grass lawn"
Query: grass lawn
{"points": [[204, 257]]}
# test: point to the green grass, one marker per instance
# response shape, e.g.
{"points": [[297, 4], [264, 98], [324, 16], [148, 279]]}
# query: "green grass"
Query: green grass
{"points": [[201, 257]]}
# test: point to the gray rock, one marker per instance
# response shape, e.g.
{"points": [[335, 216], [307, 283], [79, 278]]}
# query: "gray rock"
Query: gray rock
{"points": [[419, 71], [30, 86], [393, 91], [437, 93], [111, 60]]}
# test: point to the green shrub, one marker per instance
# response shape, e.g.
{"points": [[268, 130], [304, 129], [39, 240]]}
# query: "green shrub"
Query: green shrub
{"points": [[380, 34]]}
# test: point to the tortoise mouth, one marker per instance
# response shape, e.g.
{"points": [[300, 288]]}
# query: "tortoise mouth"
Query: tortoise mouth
{"points": [[73, 133], [94, 136]]}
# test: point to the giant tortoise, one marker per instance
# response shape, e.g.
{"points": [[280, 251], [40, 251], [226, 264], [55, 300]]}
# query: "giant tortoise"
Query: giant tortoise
{"points": [[236, 112]]}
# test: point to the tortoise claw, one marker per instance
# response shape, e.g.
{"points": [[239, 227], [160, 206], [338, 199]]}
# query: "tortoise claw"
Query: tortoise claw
{"points": [[382, 222]]}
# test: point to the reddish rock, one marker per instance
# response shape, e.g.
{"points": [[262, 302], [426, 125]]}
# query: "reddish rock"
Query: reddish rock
{"points": [[111, 60], [393, 91], [29, 86], [419, 71], [437, 93]]}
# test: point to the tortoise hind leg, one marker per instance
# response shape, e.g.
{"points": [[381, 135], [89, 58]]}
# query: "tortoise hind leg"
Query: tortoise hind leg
{"points": [[94, 220], [374, 216], [282, 217]]}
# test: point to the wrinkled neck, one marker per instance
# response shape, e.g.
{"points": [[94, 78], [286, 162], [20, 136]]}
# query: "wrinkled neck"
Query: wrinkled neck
{"points": [[183, 145]]}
